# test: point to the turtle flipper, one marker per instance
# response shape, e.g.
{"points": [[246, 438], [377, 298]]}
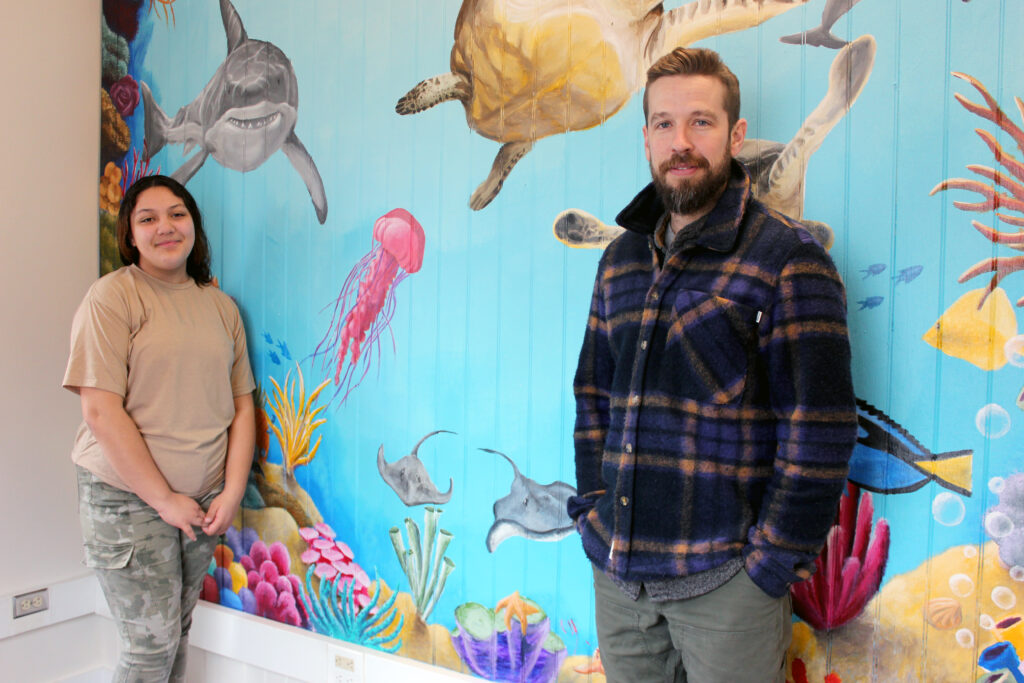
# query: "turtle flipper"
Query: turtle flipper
{"points": [[700, 19], [847, 76], [578, 229], [508, 155], [433, 91]]}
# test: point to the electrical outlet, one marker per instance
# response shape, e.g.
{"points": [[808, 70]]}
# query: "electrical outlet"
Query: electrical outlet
{"points": [[30, 603], [344, 665]]}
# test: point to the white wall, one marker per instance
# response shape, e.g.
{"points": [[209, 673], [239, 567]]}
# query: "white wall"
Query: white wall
{"points": [[50, 66]]}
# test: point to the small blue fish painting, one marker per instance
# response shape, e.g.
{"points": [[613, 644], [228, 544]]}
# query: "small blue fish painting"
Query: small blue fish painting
{"points": [[273, 357], [907, 274], [873, 269], [870, 302], [887, 459], [267, 338], [283, 348]]}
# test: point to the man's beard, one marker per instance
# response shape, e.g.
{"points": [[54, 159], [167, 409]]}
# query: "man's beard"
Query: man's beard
{"points": [[691, 194]]}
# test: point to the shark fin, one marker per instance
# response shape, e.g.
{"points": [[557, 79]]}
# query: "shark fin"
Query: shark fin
{"points": [[156, 124], [303, 164], [189, 168], [232, 25]]}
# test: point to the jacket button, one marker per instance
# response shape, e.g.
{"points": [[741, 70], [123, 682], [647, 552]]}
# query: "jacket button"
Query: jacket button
{"points": [[643, 345], [629, 448], [624, 500], [654, 296]]}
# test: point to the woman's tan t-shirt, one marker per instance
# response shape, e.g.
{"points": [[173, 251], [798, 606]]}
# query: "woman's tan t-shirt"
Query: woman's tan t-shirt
{"points": [[177, 354]]}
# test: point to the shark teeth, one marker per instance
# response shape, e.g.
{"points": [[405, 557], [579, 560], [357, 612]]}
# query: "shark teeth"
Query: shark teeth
{"points": [[254, 124]]}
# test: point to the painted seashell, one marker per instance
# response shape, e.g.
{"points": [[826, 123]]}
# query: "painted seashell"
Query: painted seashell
{"points": [[943, 613]]}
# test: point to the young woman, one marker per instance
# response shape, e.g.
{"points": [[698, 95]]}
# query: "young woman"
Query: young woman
{"points": [[158, 357]]}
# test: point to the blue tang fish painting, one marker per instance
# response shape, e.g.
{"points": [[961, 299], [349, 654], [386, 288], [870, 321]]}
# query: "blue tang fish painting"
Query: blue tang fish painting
{"points": [[887, 459]]}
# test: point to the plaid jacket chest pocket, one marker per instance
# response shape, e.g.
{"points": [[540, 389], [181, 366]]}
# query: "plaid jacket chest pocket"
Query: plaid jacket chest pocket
{"points": [[710, 345]]}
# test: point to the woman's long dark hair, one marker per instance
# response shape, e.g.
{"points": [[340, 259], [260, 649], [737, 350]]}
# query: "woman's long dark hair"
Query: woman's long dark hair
{"points": [[198, 264]]}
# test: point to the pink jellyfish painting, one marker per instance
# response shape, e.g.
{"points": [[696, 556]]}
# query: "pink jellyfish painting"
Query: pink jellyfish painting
{"points": [[397, 251]]}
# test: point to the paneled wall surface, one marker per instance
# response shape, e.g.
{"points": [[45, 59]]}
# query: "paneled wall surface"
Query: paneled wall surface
{"points": [[414, 317]]}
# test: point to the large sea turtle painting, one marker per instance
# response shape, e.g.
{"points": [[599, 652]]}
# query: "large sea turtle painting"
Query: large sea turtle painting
{"points": [[527, 69], [244, 114], [777, 170]]}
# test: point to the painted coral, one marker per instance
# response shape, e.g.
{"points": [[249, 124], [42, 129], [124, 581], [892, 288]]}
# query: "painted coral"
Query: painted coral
{"points": [[110, 188], [259, 582], [332, 560], [423, 561], [799, 670], [849, 569], [124, 93], [1000, 192], [295, 421], [334, 612], [496, 649]]}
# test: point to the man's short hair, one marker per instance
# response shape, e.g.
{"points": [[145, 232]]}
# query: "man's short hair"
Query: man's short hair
{"points": [[686, 61]]}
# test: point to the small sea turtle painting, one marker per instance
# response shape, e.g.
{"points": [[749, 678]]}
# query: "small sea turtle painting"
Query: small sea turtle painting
{"points": [[527, 69], [777, 170]]}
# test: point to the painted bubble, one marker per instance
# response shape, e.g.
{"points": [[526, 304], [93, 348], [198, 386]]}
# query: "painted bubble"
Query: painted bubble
{"points": [[998, 524], [948, 509], [1014, 349], [996, 485], [992, 421], [961, 585], [1003, 597], [1017, 572], [970, 551], [965, 638], [986, 622]]}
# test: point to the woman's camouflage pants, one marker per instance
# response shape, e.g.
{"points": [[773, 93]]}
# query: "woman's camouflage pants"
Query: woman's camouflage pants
{"points": [[151, 574]]}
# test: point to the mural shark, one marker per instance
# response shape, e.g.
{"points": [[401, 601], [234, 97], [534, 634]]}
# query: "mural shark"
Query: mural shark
{"points": [[409, 478], [244, 114], [531, 510]]}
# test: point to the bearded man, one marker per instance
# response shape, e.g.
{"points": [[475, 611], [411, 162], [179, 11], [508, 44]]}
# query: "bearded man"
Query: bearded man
{"points": [[715, 411]]}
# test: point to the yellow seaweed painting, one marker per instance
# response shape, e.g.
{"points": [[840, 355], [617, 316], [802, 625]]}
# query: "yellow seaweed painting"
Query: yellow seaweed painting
{"points": [[294, 421]]}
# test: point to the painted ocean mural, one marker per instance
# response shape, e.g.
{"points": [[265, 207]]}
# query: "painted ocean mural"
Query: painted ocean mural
{"points": [[415, 345]]}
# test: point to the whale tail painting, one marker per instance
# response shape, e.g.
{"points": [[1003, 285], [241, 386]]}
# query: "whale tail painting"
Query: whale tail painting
{"points": [[244, 114]]}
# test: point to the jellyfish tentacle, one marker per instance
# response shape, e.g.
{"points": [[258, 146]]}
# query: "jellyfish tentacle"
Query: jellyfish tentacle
{"points": [[370, 300]]}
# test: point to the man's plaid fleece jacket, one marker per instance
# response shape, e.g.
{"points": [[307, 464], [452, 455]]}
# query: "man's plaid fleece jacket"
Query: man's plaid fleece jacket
{"points": [[715, 411]]}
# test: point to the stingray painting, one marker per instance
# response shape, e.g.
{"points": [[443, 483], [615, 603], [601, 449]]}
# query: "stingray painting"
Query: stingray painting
{"points": [[777, 170], [529, 69], [534, 511], [244, 114], [409, 479]]}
